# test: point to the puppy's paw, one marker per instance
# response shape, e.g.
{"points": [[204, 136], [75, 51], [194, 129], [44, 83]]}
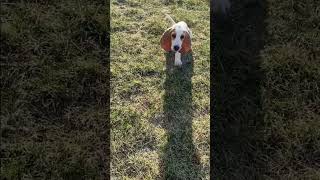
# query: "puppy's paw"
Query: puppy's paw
{"points": [[178, 62]]}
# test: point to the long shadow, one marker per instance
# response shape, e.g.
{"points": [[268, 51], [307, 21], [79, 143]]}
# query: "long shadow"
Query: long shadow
{"points": [[180, 160], [237, 116]]}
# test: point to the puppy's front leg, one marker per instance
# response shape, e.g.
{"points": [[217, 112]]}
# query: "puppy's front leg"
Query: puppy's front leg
{"points": [[177, 59]]}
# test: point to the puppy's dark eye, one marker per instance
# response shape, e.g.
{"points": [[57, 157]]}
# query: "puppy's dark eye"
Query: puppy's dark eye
{"points": [[173, 35], [182, 36]]}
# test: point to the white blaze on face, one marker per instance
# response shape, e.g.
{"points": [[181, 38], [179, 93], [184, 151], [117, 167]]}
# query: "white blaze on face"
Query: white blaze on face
{"points": [[178, 35]]}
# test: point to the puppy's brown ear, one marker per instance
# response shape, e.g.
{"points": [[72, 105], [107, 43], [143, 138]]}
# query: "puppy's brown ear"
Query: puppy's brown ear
{"points": [[186, 44], [165, 40]]}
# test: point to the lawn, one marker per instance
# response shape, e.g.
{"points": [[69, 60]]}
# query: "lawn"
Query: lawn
{"points": [[266, 96], [54, 90], [160, 119]]}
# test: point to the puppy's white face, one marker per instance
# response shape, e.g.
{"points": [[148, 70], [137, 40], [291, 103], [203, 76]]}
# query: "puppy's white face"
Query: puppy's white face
{"points": [[177, 38], [178, 35]]}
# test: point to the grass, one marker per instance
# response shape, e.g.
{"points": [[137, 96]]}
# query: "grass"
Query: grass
{"points": [[265, 94], [267, 99], [159, 118], [54, 90]]}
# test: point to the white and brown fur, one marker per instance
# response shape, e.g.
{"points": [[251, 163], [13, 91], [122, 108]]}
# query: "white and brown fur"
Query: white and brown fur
{"points": [[177, 38]]}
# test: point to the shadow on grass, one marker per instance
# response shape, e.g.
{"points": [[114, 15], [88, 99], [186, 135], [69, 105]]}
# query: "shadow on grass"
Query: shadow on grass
{"points": [[180, 160], [54, 90], [237, 110]]}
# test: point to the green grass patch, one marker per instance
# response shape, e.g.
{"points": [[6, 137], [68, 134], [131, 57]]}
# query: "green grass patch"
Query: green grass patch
{"points": [[53, 90], [267, 91], [160, 121]]}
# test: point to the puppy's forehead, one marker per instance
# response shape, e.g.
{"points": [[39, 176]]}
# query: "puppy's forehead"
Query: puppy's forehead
{"points": [[181, 27], [178, 29]]}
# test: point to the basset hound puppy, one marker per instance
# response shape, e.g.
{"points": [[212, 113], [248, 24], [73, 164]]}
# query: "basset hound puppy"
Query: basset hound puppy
{"points": [[177, 38]]}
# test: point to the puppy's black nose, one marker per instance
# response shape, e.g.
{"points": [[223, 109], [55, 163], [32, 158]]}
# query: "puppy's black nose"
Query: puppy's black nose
{"points": [[176, 48]]}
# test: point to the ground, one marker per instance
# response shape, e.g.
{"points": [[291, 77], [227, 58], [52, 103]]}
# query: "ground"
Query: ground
{"points": [[159, 119], [54, 87], [266, 74], [265, 95]]}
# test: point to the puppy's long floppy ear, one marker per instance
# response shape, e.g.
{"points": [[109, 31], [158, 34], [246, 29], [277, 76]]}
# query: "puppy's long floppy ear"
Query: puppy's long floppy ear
{"points": [[166, 39], [186, 44]]}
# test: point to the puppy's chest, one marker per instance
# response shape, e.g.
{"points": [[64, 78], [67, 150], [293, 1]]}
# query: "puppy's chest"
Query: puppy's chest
{"points": [[185, 58]]}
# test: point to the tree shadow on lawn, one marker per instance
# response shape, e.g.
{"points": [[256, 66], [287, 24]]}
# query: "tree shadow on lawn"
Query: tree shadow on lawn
{"points": [[237, 116], [180, 160]]}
